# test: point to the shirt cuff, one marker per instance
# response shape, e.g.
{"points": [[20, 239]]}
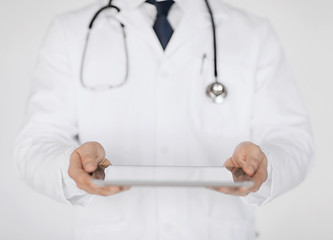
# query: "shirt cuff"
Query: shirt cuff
{"points": [[72, 193], [265, 193]]}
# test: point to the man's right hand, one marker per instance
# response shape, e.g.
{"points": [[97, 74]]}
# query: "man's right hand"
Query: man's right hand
{"points": [[88, 162]]}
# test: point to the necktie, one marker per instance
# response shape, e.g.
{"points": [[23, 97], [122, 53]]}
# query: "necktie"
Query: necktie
{"points": [[162, 26]]}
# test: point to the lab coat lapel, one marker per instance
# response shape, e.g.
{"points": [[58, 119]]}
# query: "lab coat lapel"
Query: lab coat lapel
{"points": [[196, 19], [190, 26]]}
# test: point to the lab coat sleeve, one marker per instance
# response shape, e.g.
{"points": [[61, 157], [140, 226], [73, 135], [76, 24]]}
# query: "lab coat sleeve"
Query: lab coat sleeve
{"points": [[280, 123], [49, 134]]}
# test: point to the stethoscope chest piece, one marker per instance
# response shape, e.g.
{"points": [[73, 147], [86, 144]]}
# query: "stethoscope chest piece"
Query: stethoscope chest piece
{"points": [[216, 92]]}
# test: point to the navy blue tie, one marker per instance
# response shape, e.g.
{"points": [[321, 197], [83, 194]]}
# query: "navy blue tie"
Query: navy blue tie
{"points": [[162, 26]]}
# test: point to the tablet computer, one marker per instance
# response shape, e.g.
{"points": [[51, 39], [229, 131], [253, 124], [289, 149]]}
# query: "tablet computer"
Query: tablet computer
{"points": [[174, 176]]}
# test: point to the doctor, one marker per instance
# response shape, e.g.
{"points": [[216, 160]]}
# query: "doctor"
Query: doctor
{"points": [[136, 92]]}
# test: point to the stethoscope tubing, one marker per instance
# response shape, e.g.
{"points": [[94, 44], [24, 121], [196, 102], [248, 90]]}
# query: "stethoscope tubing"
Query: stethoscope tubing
{"points": [[216, 91], [91, 24], [214, 39]]}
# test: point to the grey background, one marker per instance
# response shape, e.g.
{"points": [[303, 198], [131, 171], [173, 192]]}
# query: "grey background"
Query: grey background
{"points": [[305, 28]]}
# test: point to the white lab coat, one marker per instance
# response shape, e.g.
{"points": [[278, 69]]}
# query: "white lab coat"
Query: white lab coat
{"points": [[161, 116]]}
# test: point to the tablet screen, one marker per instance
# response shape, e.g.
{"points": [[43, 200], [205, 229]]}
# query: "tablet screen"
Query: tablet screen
{"points": [[174, 176]]}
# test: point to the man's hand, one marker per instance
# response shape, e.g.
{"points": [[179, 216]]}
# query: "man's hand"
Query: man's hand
{"points": [[253, 161], [87, 162]]}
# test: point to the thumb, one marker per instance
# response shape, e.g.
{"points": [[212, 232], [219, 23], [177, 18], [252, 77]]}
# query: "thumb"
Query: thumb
{"points": [[91, 154], [229, 163]]}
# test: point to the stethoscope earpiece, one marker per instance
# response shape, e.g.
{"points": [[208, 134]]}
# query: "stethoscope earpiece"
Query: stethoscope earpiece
{"points": [[216, 92]]}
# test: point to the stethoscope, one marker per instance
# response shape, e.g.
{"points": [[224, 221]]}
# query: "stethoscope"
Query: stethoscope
{"points": [[216, 91]]}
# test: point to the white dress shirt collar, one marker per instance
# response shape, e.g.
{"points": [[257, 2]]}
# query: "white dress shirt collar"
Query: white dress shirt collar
{"points": [[132, 4]]}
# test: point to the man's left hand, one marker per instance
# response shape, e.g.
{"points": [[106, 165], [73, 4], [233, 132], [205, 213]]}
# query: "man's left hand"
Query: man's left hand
{"points": [[253, 162]]}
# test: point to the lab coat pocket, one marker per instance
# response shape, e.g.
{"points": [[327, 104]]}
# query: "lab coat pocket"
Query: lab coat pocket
{"points": [[230, 117]]}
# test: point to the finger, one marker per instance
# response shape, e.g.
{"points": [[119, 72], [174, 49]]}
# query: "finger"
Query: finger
{"points": [[99, 173], [90, 158], [83, 181], [106, 190], [87, 185], [230, 164], [259, 178], [235, 191], [105, 163], [231, 191], [75, 169], [236, 161], [79, 175], [251, 165], [90, 163], [110, 190]]}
